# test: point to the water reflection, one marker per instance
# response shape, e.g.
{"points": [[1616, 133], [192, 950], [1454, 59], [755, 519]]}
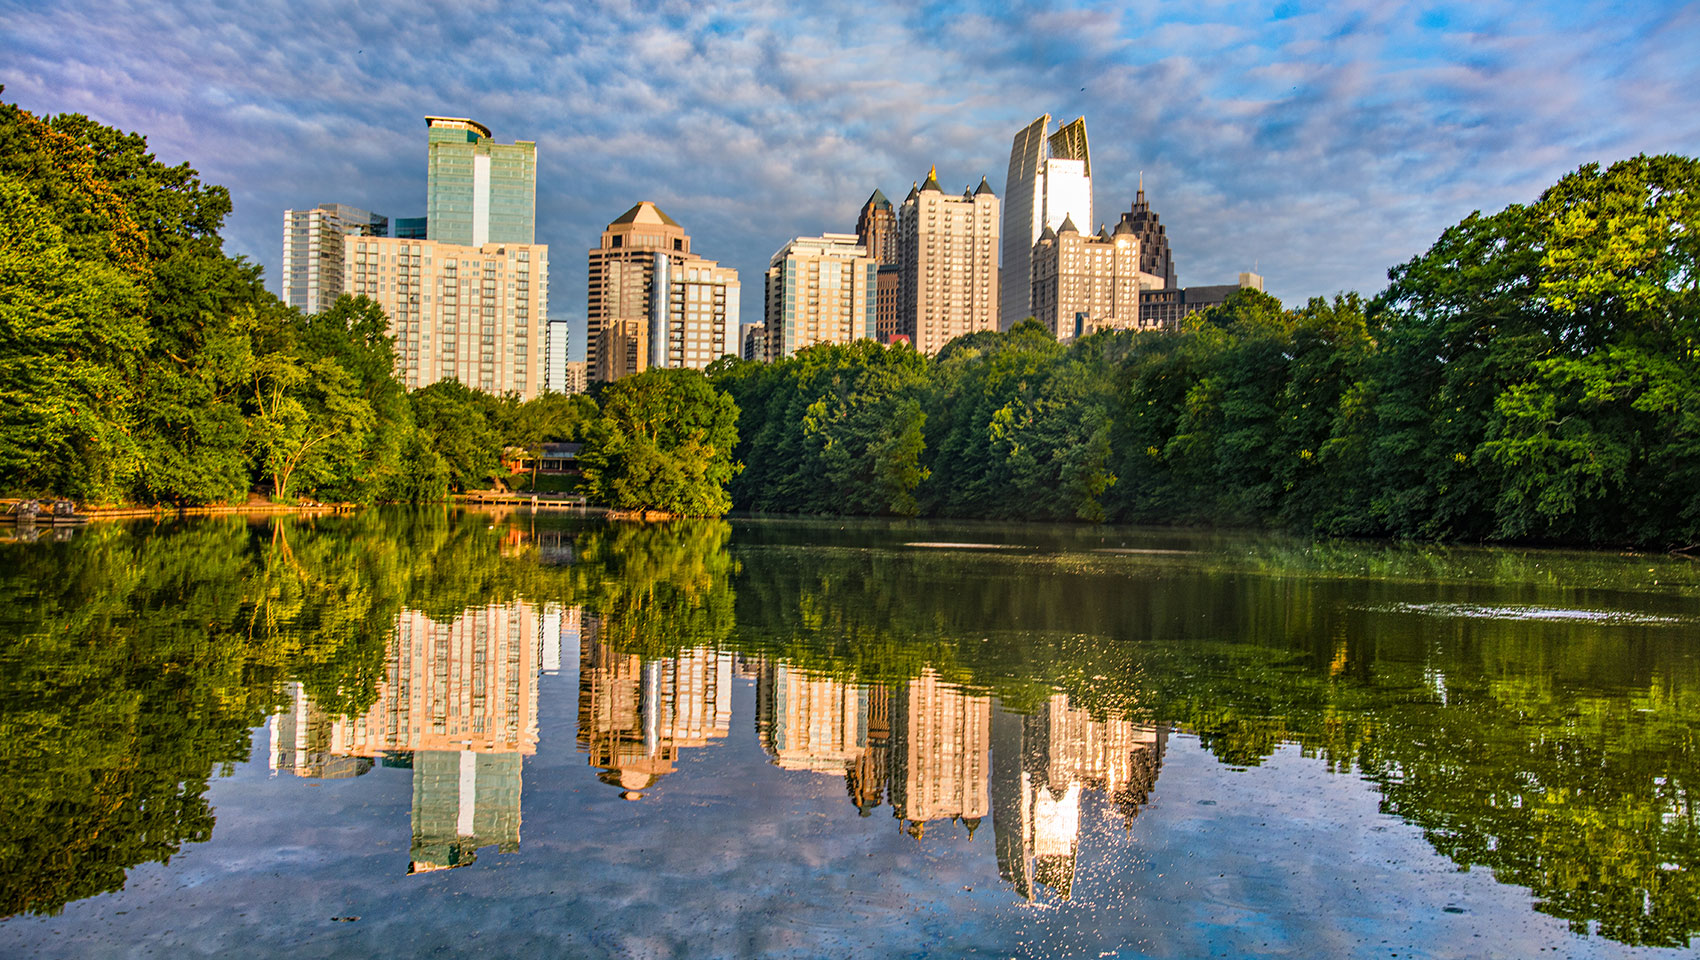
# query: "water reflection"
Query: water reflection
{"points": [[1036, 687], [457, 706]]}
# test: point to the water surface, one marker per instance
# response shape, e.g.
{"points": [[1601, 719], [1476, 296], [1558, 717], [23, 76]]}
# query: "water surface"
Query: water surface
{"points": [[408, 732]]}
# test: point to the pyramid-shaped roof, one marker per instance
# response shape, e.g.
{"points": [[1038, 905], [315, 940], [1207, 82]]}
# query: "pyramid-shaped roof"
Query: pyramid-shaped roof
{"points": [[1068, 225], [645, 212], [878, 200], [932, 181], [984, 187]]}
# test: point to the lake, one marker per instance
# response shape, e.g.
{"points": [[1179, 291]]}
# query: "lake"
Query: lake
{"points": [[448, 732]]}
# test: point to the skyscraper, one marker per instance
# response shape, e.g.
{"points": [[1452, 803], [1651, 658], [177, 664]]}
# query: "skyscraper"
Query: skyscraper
{"points": [[313, 274], [651, 302], [1154, 255], [948, 246], [1050, 179], [819, 290], [876, 229], [478, 191]]}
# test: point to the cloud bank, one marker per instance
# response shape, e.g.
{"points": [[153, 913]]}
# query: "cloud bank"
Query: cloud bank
{"points": [[1318, 143]]}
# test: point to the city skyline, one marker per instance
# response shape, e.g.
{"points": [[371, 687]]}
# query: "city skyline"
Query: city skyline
{"points": [[1316, 147]]}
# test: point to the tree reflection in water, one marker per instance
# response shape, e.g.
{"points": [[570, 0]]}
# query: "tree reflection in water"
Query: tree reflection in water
{"points": [[1037, 686]]}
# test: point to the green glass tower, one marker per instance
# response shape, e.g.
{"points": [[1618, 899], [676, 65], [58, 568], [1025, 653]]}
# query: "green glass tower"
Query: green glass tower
{"points": [[478, 191]]}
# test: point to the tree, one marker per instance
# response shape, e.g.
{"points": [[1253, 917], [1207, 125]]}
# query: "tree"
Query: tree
{"points": [[663, 442]]}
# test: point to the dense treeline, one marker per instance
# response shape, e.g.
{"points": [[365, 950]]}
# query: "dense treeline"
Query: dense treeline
{"points": [[139, 362], [1533, 376]]}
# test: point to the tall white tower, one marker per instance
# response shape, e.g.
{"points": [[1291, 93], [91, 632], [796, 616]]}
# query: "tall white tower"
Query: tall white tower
{"points": [[1050, 180]]}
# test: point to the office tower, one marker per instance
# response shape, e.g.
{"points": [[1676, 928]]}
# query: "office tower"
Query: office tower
{"points": [[948, 246], [478, 191], [555, 362], [819, 290], [888, 299], [876, 229], [1050, 178], [754, 341], [313, 274], [651, 302], [1166, 308], [1083, 284], [1154, 255], [474, 314], [412, 228], [939, 739]]}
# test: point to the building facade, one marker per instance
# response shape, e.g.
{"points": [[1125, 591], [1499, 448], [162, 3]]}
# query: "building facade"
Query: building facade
{"points": [[478, 191], [1154, 255], [555, 359], [1167, 307], [314, 271], [1050, 179], [819, 290], [876, 229], [474, 314], [888, 301], [651, 302], [754, 341], [948, 247], [1083, 284]]}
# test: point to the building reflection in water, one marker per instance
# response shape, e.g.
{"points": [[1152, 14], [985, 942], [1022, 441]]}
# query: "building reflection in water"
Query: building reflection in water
{"points": [[635, 715], [1041, 764], [923, 745], [457, 705]]}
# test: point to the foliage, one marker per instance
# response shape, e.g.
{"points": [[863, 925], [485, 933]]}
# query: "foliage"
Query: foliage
{"points": [[664, 441]]}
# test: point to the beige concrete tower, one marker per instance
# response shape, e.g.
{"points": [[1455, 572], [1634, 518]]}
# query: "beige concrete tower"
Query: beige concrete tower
{"points": [[819, 290], [948, 247], [474, 314]]}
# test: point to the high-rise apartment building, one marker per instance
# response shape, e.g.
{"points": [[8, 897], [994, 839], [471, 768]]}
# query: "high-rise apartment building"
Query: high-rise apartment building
{"points": [[876, 229], [555, 360], [948, 246], [819, 290], [474, 314], [313, 274], [478, 191], [651, 302], [1154, 255], [1083, 284], [1050, 179]]}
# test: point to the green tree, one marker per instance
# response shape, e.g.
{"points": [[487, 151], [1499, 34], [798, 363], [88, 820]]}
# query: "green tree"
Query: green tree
{"points": [[663, 442]]}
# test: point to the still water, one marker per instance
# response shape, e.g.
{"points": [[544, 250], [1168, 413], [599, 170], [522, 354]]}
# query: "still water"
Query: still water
{"points": [[450, 733]]}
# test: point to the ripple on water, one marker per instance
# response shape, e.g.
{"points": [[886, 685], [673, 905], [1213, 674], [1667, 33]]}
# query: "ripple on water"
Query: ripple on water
{"points": [[1478, 611]]}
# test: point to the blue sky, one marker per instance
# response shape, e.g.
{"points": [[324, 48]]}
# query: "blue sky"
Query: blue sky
{"points": [[1320, 143]]}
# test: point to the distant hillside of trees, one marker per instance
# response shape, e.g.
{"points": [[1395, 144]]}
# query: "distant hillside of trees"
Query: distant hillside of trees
{"points": [[1535, 376]]}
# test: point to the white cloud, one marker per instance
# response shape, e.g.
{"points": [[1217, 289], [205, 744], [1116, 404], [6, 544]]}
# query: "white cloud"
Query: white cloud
{"points": [[1321, 144]]}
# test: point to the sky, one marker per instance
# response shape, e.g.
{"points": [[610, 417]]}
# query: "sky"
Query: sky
{"points": [[1318, 144]]}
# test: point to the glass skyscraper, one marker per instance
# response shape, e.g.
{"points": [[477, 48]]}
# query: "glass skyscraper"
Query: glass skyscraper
{"points": [[478, 191], [1050, 180]]}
